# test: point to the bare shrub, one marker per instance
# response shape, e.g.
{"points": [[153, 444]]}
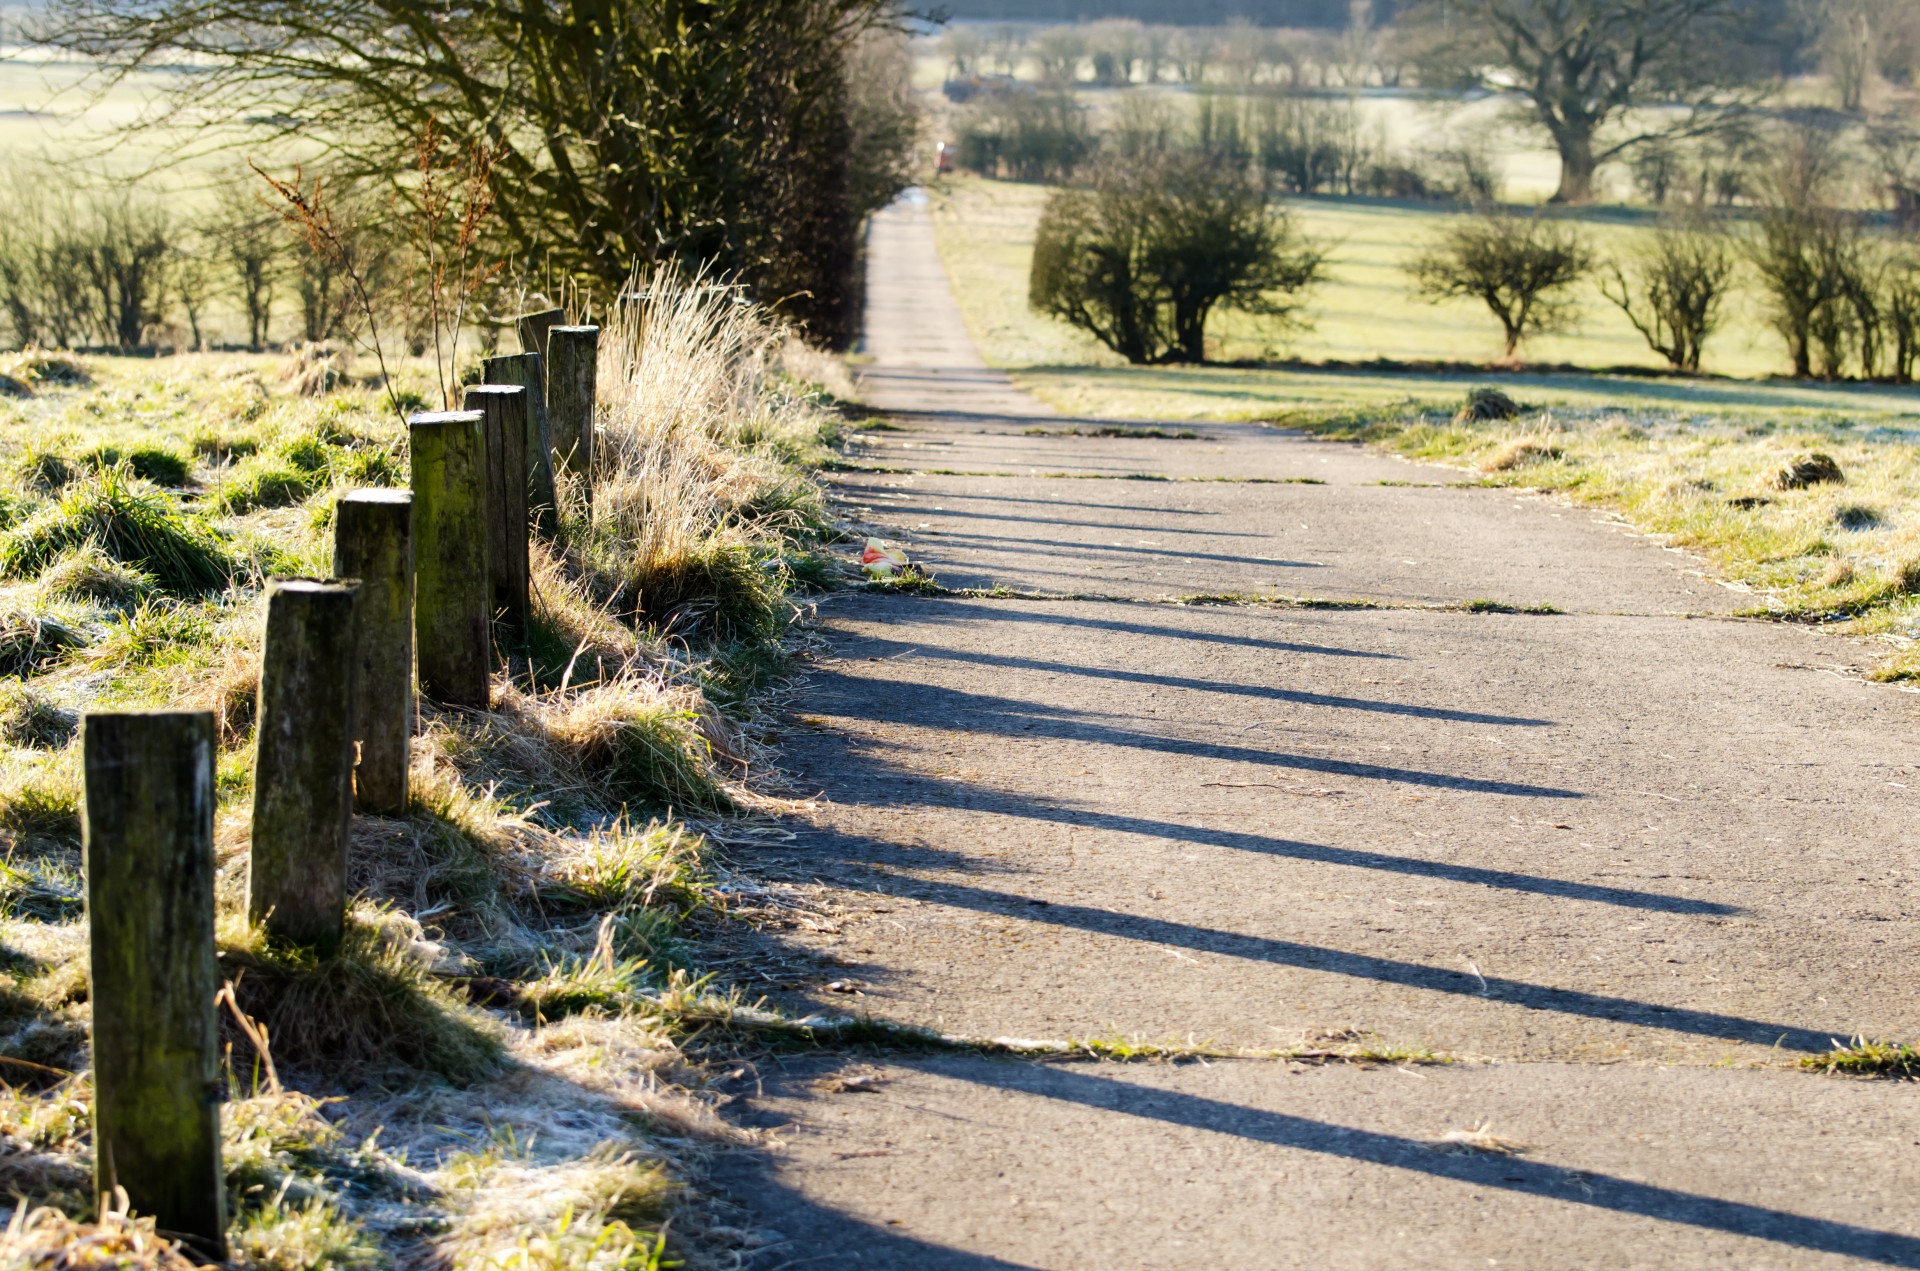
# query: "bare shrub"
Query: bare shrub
{"points": [[1679, 281], [1520, 267]]}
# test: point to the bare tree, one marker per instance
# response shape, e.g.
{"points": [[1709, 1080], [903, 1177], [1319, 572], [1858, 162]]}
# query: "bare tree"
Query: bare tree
{"points": [[1583, 65], [1679, 281], [1520, 267]]}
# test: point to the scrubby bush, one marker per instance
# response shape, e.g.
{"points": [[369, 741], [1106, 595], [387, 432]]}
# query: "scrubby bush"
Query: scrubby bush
{"points": [[1521, 267], [1680, 280], [1142, 257]]}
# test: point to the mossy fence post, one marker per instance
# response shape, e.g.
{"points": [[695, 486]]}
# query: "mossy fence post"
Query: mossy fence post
{"points": [[504, 407], [573, 357], [528, 370], [451, 590], [303, 762], [147, 839], [373, 541]]}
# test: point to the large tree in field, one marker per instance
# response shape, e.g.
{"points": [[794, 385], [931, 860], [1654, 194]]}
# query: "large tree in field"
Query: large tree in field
{"points": [[1584, 65], [707, 132]]}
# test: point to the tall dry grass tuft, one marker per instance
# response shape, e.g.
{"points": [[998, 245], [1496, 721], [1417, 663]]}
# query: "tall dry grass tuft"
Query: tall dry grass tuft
{"points": [[701, 399]]}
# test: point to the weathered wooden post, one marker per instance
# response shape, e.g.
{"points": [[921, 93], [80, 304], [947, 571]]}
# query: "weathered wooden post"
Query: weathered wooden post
{"points": [[573, 356], [303, 762], [147, 836], [451, 592], [504, 407], [527, 370], [373, 541], [533, 328]]}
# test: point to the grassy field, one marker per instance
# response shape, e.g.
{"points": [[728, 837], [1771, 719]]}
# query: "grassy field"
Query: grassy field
{"points": [[1366, 308], [507, 1062]]}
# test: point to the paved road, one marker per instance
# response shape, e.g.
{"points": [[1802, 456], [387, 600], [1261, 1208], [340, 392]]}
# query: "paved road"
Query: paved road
{"points": [[1624, 864]]}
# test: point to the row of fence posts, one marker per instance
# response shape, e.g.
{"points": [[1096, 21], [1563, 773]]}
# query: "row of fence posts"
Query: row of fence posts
{"points": [[435, 572]]}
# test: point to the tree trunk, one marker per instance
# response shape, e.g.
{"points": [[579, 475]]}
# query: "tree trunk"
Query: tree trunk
{"points": [[147, 835], [1575, 144]]}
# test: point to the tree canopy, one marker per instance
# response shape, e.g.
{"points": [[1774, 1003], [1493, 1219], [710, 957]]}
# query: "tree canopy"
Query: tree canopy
{"points": [[1582, 65], [699, 131]]}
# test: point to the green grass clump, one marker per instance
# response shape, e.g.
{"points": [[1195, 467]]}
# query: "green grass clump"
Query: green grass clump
{"points": [[721, 589], [42, 469], [31, 719], [658, 757], [366, 1010], [161, 465], [89, 575], [40, 810], [158, 633], [133, 523], [32, 642], [265, 481], [1864, 1058]]}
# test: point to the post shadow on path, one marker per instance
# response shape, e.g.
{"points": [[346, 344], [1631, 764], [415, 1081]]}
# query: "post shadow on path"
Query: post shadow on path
{"points": [[938, 706], [1296, 696], [1493, 989], [992, 541], [980, 609], [975, 515], [848, 484], [1504, 1173]]}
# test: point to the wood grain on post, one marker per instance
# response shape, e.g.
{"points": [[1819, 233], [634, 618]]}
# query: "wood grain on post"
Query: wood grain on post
{"points": [[573, 356], [147, 836], [303, 762], [452, 595], [504, 407], [373, 541], [533, 328], [528, 371]]}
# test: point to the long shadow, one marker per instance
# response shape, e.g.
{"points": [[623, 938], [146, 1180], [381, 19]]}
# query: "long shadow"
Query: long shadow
{"points": [[1362, 966], [1170, 554], [946, 495], [1297, 696], [1505, 1173], [924, 510], [1014, 717], [1005, 804], [956, 611], [817, 1235]]}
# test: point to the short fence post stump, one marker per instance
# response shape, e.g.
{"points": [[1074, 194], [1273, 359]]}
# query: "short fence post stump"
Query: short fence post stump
{"points": [[373, 542], [504, 407], [528, 371], [303, 763], [532, 328], [573, 355], [451, 592], [147, 834]]}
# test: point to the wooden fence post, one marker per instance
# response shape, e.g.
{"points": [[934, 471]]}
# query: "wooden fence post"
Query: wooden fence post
{"points": [[527, 370], [533, 327], [373, 541], [573, 355], [504, 407], [303, 763], [147, 835], [451, 590]]}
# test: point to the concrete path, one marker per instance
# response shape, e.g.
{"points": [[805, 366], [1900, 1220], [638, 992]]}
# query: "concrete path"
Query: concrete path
{"points": [[1624, 864]]}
